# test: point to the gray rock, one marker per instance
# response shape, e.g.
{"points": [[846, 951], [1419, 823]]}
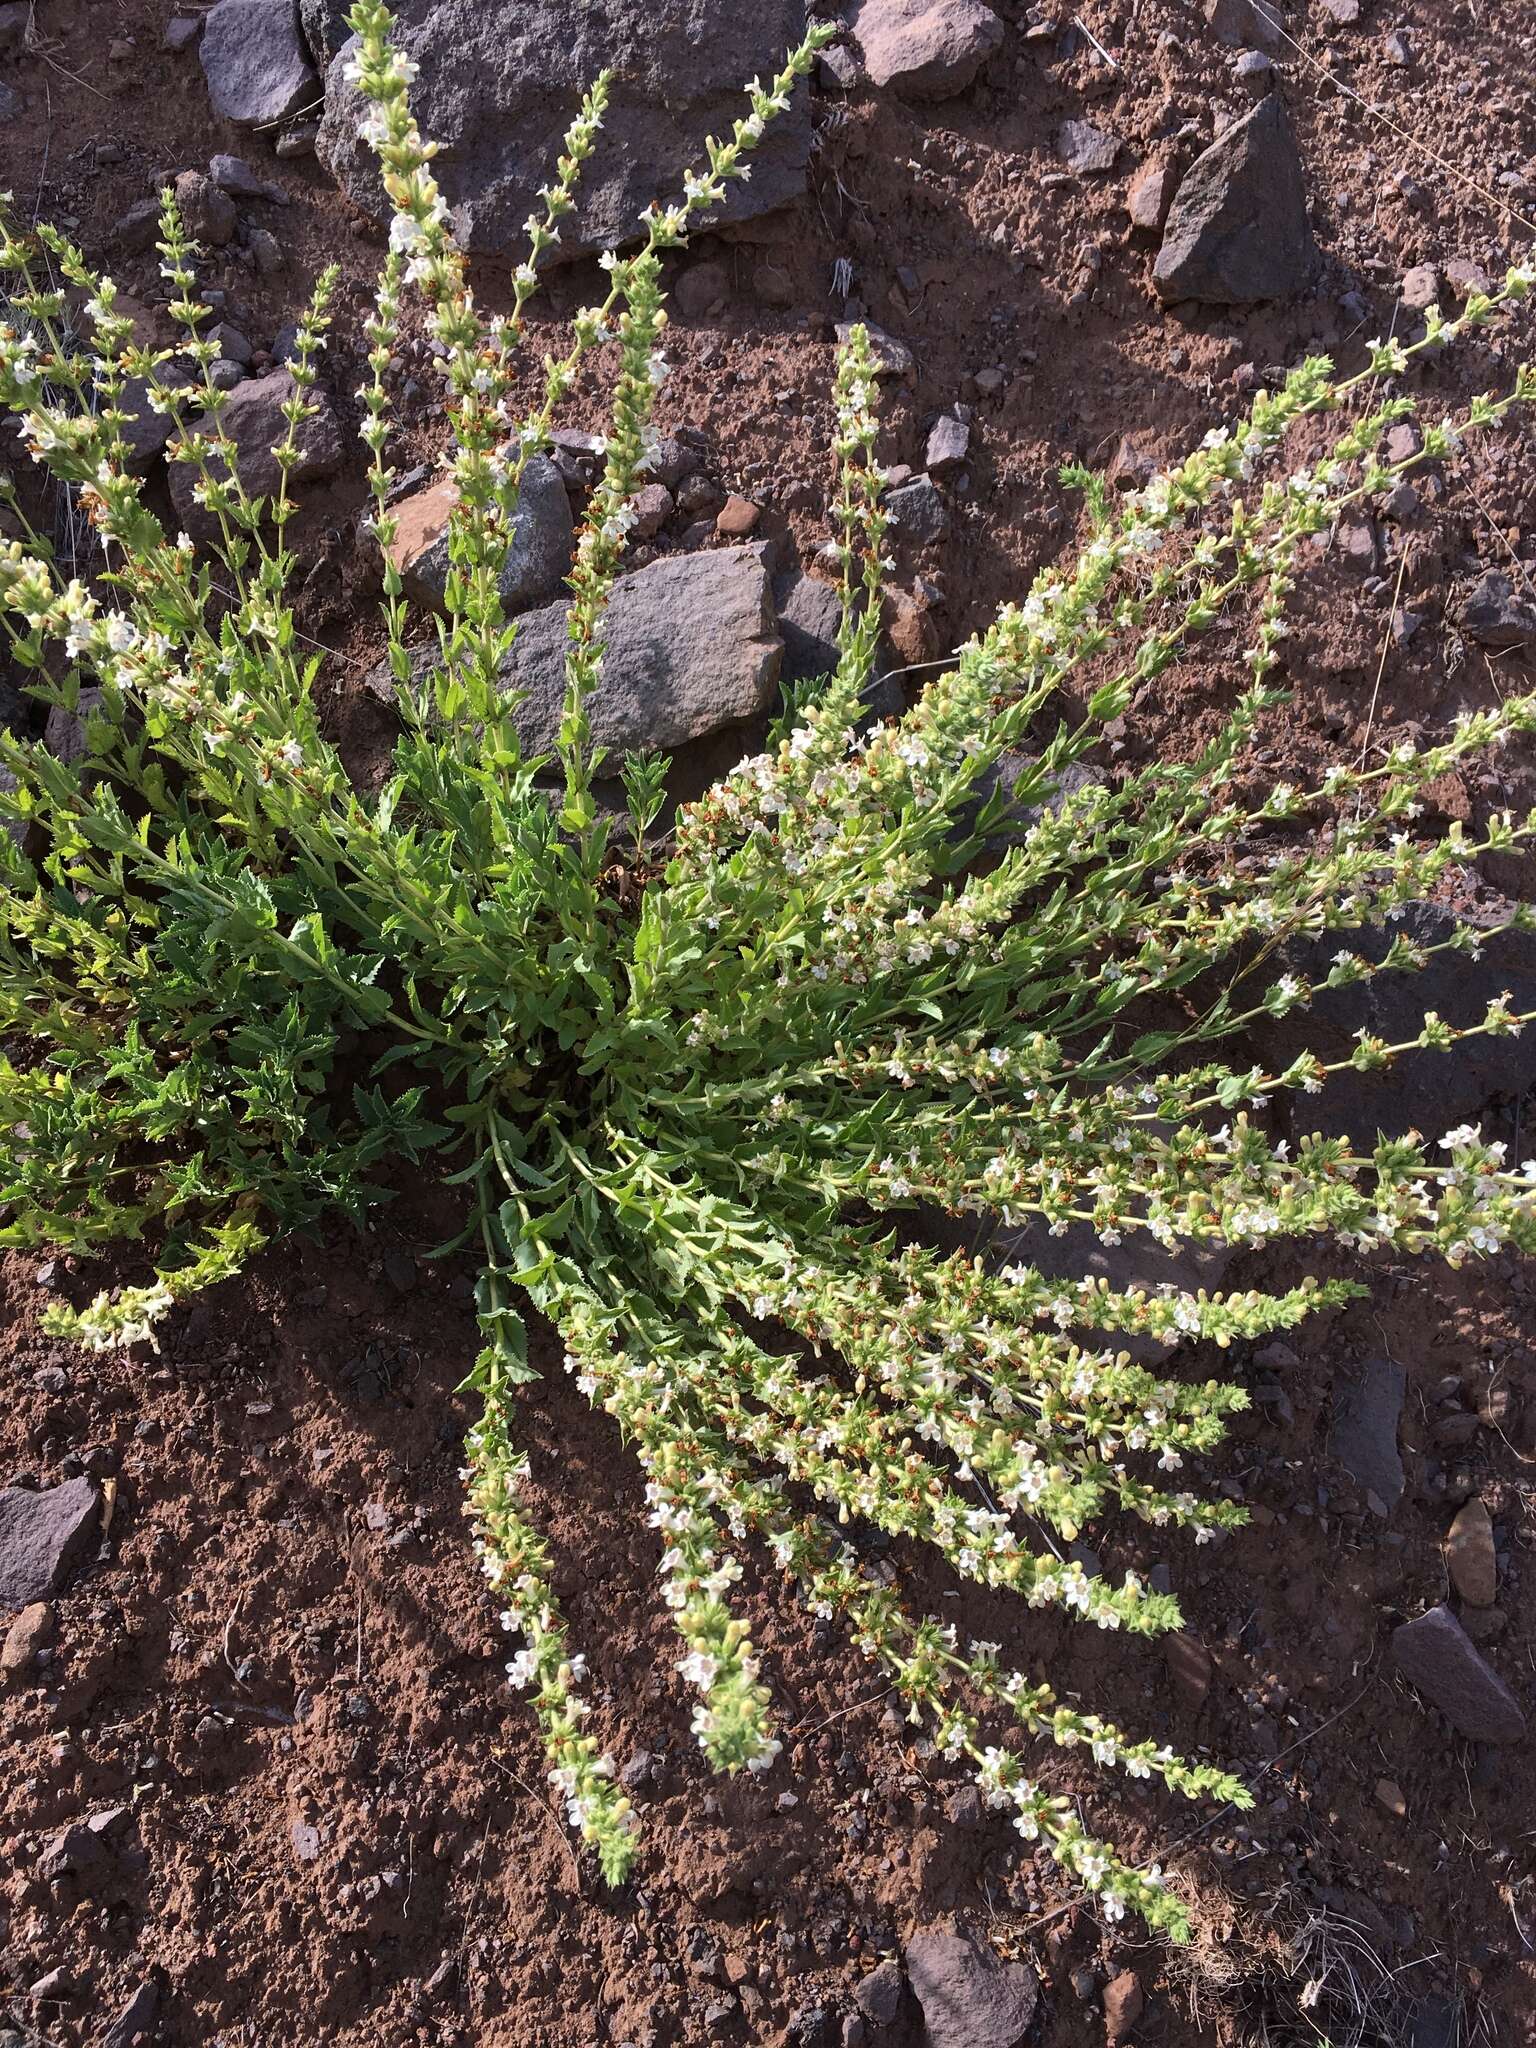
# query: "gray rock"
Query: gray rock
{"points": [[1254, 71], [145, 430], [498, 86], [690, 646], [949, 446], [1246, 24], [538, 561], [15, 19], [256, 63], [1426, 1091], [136, 2022], [652, 506], [918, 512], [926, 49], [139, 227], [181, 32], [64, 733], [1367, 1405], [672, 459], [1238, 230], [299, 141], [1025, 806], [230, 342], [326, 28], [234, 175], [252, 417], [810, 613], [1496, 615], [969, 1998], [838, 69], [892, 358], [1437, 1656], [878, 1996], [575, 455], [207, 213], [1149, 196], [43, 1536], [12, 105], [1086, 149], [266, 252]]}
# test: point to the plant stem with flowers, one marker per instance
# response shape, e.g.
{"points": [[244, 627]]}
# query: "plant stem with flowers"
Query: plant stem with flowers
{"points": [[697, 1120]]}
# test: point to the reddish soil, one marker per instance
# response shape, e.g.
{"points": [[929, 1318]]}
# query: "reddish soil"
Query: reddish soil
{"points": [[281, 1658]]}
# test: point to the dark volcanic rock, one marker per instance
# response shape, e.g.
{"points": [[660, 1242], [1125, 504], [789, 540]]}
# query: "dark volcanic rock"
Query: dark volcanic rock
{"points": [[255, 62], [810, 613], [1366, 1407], [326, 28], [1424, 1091], [135, 2024], [878, 1995], [918, 513], [543, 537], [1436, 1655], [498, 86], [1496, 615], [969, 1998], [145, 429], [690, 645], [42, 1538], [1238, 229], [252, 417]]}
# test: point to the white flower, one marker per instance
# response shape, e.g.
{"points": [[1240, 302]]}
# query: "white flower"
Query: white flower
{"points": [[524, 1667], [699, 1669]]}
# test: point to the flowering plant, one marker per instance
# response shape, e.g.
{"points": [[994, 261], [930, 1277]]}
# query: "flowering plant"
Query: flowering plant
{"points": [[867, 980]]}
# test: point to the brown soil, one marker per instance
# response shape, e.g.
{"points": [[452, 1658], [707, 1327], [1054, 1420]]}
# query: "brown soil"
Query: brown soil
{"points": [[282, 1659]]}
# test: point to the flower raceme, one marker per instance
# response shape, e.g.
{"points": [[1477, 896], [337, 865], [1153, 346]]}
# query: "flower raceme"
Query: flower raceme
{"points": [[704, 1120]]}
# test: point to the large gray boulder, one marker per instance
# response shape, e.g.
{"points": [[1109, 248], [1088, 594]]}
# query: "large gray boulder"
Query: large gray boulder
{"points": [[498, 86], [690, 645], [1238, 230], [256, 62]]}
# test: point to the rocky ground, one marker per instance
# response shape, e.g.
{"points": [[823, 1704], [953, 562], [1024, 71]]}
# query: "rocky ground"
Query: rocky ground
{"points": [[262, 1783]]}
